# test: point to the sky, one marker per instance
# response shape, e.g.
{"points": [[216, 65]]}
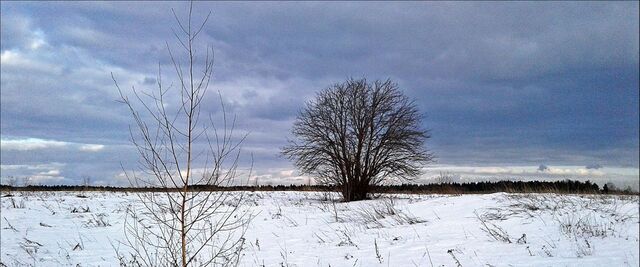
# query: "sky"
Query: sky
{"points": [[527, 90]]}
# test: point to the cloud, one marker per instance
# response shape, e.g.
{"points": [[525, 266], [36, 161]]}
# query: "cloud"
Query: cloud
{"points": [[31, 144], [543, 168], [22, 33], [50, 173], [27, 144], [499, 85], [594, 166], [275, 176], [91, 147], [19, 61]]}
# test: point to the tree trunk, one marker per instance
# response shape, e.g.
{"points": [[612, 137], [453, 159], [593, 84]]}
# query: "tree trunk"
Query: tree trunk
{"points": [[354, 191]]}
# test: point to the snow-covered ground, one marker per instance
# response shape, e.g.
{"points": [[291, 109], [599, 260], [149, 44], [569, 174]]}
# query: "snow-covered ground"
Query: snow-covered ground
{"points": [[308, 229]]}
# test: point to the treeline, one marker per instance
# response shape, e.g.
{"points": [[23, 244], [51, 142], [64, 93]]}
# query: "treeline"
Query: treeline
{"points": [[565, 186]]}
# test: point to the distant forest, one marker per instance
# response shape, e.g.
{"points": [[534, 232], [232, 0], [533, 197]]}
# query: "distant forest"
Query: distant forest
{"points": [[565, 186]]}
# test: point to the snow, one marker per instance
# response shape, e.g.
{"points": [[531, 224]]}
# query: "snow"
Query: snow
{"points": [[309, 229]]}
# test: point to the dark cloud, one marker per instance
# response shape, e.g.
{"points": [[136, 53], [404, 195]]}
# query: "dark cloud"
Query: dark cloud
{"points": [[593, 166], [543, 168], [500, 83]]}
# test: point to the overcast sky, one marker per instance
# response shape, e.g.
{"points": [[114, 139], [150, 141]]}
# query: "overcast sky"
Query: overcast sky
{"points": [[509, 89]]}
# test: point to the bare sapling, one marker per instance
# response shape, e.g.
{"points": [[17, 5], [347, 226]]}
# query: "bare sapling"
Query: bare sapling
{"points": [[190, 220]]}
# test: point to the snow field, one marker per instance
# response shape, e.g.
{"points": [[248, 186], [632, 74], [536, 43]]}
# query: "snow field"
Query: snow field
{"points": [[314, 229]]}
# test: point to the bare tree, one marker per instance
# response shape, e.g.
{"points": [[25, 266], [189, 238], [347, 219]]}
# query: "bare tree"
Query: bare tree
{"points": [[26, 181], [86, 182], [358, 134], [181, 152], [11, 181], [447, 178]]}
